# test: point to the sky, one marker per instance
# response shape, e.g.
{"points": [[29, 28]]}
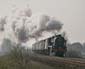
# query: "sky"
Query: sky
{"points": [[70, 12]]}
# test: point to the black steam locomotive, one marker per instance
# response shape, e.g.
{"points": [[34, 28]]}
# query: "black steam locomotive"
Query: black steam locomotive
{"points": [[55, 46]]}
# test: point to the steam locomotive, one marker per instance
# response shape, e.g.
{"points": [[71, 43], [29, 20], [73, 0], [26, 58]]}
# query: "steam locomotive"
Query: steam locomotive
{"points": [[53, 46]]}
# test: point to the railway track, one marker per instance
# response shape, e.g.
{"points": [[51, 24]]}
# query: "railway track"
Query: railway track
{"points": [[65, 63]]}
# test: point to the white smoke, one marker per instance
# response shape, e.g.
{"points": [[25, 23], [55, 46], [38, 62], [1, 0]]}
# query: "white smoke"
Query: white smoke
{"points": [[15, 24], [37, 24], [41, 22], [22, 26]]}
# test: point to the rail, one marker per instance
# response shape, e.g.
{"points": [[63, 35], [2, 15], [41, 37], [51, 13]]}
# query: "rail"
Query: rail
{"points": [[59, 62]]}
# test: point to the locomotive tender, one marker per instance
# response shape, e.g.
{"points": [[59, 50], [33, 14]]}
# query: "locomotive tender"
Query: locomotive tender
{"points": [[54, 46]]}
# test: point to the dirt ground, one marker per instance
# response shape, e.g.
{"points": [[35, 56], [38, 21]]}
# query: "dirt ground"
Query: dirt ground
{"points": [[38, 65]]}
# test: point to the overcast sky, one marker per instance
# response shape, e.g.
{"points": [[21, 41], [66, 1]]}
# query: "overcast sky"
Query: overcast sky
{"points": [[70, 12]]}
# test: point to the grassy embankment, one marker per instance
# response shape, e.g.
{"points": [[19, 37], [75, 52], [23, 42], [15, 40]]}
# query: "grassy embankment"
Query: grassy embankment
{"points": [[19, 58]]}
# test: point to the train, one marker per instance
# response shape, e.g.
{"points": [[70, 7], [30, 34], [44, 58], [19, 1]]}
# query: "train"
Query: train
{"points": [[52, 46]]}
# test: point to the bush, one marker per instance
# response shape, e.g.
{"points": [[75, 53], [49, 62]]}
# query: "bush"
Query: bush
{"points": [[18, 58], [74, 54]]}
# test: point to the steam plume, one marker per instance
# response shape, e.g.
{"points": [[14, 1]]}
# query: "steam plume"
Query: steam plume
{"points": [[22, 25]]}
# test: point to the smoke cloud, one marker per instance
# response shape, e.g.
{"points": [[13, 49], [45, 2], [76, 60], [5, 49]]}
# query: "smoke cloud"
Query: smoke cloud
{"points": [[54, 25], [42, 22], [22, 26]]}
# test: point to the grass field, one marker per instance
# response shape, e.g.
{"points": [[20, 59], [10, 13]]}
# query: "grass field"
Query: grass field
{"points": [[18, 58], [11, 63]]}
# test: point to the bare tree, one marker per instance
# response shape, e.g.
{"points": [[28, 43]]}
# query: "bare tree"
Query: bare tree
{"points": [[2, 23], [74, 50]]}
